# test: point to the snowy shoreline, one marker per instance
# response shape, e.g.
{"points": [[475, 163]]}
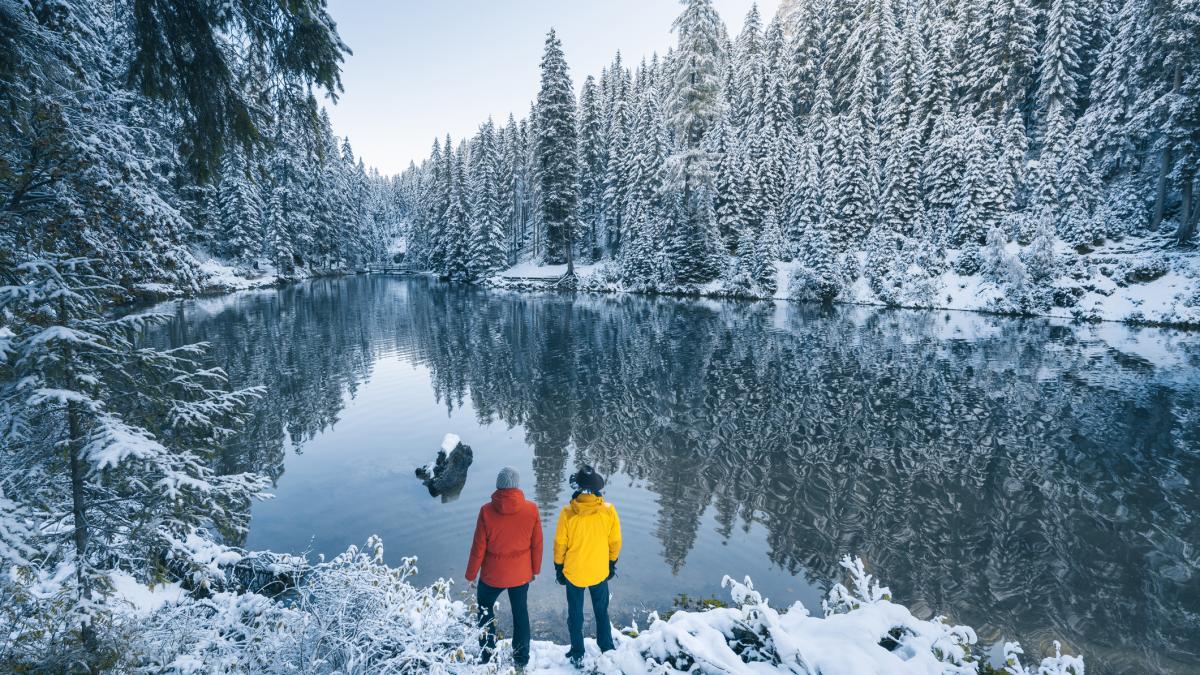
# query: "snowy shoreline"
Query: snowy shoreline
{"points": [[1108, 288], [217, 277], [355, 613]]}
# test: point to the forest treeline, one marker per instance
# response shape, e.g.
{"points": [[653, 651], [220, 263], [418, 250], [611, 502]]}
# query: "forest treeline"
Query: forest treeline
{"points": [[142, 135], [913, 133]]}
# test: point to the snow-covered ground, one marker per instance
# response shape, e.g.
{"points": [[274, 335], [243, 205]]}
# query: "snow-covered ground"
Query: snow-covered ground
{"points": [[219, 275], [356, 614], [857, 631], [1136, 283], [531, 270]]}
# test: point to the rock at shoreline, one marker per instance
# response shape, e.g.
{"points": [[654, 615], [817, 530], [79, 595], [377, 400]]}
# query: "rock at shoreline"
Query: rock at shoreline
{"points": [[445, 476]]}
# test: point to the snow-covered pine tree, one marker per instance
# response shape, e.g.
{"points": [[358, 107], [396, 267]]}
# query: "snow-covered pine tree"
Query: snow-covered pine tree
{"points": [[944, 164], [617, 178], [278, 229], [1073, 212], [695, 107], [456, 234], [804, 205], [120, 480], [1057, 94], [558, 158], [747, 65], [729, 153], [1001, 57], [506, 187], [592, 160], [241, 208], [981, 201], [486, 250], [902, 150], [639, 252], [443, 185], [775, 138], [806, 48], [817, 278]]}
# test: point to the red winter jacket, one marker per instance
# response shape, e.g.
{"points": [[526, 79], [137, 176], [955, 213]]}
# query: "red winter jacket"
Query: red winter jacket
{"points": [[507, 542]]}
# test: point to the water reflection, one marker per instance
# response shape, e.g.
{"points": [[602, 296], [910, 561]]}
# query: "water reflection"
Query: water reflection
{"points": [[1035, 480]]}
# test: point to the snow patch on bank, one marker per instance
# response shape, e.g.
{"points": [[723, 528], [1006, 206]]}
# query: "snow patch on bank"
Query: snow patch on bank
{"points": [[142, 599], [532, 270], [219, 275]]}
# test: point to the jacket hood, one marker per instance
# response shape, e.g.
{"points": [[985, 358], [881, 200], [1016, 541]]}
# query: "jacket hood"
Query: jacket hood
{"points": [[508, 500], [586, 503]]}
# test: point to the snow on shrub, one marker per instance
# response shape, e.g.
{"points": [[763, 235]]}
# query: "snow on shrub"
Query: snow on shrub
{"points": [[352, 614], [862, 631], [355, 614]]}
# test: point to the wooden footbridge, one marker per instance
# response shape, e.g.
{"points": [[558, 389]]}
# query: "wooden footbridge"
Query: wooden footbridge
{"points": [[563, 282], [379, 268]]}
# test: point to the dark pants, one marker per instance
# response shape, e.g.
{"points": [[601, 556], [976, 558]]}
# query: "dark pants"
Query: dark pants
{"points": [[518, 597], [599, 594]]}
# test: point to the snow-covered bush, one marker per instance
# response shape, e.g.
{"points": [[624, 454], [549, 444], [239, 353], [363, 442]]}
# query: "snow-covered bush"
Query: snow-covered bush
{"points": [[968, 261], [352, 614], [809, 284], [1119, 213], [1051, 665], [1145, 269], [861, 631], [1040, 260]]}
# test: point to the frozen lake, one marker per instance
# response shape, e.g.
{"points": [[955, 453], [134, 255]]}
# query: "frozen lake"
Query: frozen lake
{"points": [[1033, 479]]}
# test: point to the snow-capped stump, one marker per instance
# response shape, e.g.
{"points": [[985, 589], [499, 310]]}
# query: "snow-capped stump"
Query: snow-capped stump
{"points": [[445, 476]]}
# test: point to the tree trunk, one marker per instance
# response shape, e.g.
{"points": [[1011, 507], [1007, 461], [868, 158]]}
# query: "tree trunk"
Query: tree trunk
{"points": [[1188, 215], [82, 534], [1164, 168], [569, 236]]}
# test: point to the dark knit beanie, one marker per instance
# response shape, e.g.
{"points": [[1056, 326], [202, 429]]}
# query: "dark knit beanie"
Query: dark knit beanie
{"points": [[587, 480]]}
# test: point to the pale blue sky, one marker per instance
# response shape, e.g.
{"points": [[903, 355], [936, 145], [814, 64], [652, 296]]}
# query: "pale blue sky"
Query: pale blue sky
{"points": [[423, 68]]}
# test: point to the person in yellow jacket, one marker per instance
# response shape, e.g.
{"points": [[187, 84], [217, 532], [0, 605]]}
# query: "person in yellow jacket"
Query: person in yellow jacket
{"points": [[587, 543]]}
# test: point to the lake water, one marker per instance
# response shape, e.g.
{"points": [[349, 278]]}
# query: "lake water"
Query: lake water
{"points": [[1033, 479]]}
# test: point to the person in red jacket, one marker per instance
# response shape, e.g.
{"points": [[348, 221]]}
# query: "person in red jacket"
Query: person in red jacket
{"points": [[508, 548]]}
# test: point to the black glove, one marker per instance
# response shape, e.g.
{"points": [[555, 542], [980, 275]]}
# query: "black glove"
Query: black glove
{"points": [[612, 569], [559, 576]]}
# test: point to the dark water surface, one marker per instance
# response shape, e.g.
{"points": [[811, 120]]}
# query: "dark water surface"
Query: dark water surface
{"points": [[1035, 480]]}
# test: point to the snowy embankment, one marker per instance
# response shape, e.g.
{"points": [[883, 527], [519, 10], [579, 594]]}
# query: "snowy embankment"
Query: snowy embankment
{"points": [[1136, 282], [355, 614], [217, 275]]}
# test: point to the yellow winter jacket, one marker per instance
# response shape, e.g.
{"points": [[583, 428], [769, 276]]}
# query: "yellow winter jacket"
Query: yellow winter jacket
{"points": [[587, 538]]}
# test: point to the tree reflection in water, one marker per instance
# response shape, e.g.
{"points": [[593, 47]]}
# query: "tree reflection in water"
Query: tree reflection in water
{"points": [[1021, 476]]}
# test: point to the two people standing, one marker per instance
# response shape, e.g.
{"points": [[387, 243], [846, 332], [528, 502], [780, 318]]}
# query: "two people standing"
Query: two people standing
{"points": [[507, 547]]}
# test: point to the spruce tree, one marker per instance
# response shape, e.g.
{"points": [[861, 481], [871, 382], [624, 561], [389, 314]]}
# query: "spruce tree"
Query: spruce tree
{"points": [[241, 209], [696, 107], [456, 235], [486, 247], [557, 155], [592, 160]]}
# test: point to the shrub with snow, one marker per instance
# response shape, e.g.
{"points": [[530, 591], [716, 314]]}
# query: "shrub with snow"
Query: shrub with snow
{"points": [[352, 614], [1145, 269], [811, 284], [861, 631]]}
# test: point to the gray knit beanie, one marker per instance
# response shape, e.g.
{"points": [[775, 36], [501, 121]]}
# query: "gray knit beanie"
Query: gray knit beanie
{"points": [[508, 478]]}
